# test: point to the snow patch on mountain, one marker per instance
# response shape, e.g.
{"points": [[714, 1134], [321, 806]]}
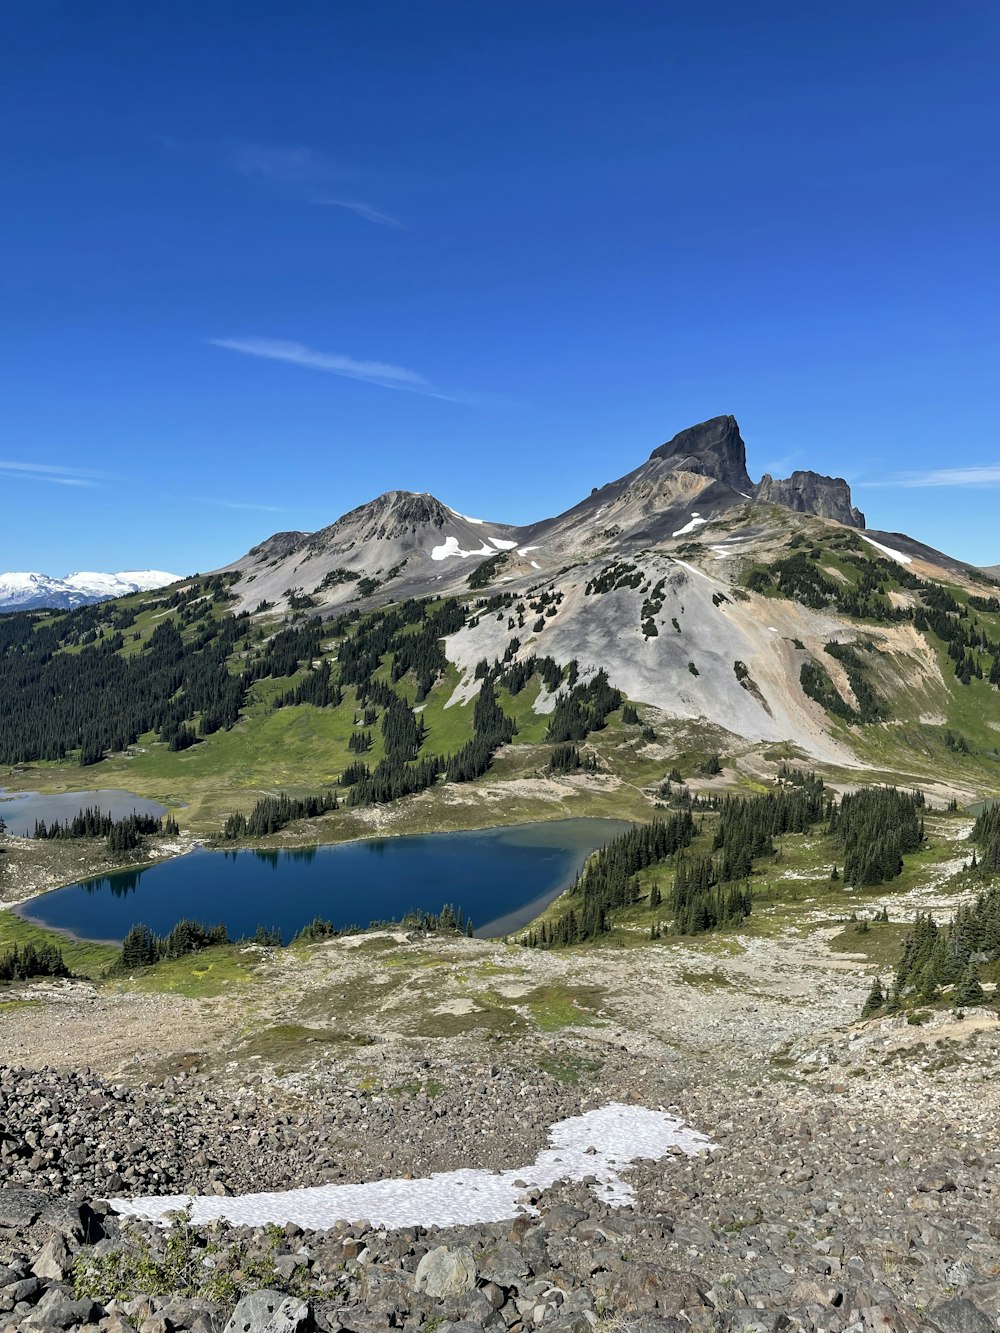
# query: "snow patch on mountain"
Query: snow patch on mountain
{"points": [[888, 550], [451, 547], [694, 522]]}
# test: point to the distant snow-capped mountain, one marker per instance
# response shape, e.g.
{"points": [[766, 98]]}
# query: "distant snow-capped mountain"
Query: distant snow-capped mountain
{"points": [[29, 591]]}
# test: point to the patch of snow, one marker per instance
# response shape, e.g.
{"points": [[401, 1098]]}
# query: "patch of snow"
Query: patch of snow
{"points": [[692, 569], [535, 564], [773, 630], [502, 545], [466, 518], [695, 521], [616, 1135], [888, 550], [450, 547], [523, 550], [745, 496]]}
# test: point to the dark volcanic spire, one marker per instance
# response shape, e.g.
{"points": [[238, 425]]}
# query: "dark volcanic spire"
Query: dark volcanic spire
{"points": [[812, 493], [713, 449]]}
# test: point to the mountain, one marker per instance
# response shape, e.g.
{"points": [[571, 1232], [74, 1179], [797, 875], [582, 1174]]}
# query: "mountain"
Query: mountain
{"points": [[31, 591], [699, 591], [403, 544]]}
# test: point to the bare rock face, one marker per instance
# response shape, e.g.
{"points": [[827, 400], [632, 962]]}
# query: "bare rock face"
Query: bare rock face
{"points": [[812, 493], [278, 546], [714, 449]]}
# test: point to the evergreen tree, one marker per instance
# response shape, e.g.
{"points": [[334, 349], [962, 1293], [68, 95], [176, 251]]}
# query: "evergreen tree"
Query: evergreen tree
{"points": [[875, 1001], [969, 991]]}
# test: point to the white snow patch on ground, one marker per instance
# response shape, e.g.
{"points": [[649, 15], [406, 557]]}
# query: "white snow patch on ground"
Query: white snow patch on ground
{"points": [[535, 564], [889, 550], [523, 550], [695, 521], [618, 1135], [465, 516], [450, 546], [692, 569], [502, 545]]}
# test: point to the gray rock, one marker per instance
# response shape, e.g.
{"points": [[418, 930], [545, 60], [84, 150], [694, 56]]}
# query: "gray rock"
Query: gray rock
{"points": [[269, 1312], [25, 1290], [650, 1289], [53, 1261], [959, 1315], [505, 1265], [62, 1314], [443, 1272], [19, 1208]]}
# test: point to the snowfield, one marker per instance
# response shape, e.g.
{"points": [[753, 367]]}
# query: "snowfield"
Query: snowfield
{"points": [[599, 1143], [695, 521], [888, 550], [451, 547]]}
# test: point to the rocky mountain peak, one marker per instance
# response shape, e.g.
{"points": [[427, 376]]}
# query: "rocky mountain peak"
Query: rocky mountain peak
{"points": [[713, 448], [812, 493]]}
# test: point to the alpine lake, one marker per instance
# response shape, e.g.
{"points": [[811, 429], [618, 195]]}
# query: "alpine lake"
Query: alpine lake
{"points": [[498, 878]]}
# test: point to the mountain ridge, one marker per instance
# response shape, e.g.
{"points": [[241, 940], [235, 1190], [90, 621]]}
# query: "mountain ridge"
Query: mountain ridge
{"points": [[28, 590], [392, 544]]}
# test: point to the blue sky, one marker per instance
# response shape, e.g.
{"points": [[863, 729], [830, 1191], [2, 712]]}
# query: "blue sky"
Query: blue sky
{"points": [[262, 260]]}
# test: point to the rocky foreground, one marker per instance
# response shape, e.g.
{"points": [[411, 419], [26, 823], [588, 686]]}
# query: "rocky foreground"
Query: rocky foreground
{"points": [[869, 1204]]}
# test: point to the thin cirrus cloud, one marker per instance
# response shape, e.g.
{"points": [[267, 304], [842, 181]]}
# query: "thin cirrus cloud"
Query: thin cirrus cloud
{"points": [[56, 476], [370, 372], [362, 210], [307, 172], [983, 475]]}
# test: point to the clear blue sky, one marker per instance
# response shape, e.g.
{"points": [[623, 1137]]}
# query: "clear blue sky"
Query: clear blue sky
{"points": [[263, 259]]}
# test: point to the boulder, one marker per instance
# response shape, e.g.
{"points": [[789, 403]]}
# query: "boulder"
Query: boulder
{"points": [[959, 1315], [443, 1272], [53, 1261], [19, 1208], [269, 1312]]}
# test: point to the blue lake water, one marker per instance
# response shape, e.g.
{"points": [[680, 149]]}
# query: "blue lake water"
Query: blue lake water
{"points": [[500, 878], [20, 809]]}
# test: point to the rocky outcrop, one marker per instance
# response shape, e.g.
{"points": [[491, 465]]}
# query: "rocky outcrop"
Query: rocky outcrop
{"points": [[392, 514], [277, 547], [812, 493], [713, 449]]}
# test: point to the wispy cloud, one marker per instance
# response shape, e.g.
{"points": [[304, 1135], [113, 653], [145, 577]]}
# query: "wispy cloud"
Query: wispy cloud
{"points": [[57, 476], [238, 504], [306, 173], [371, 372], [363, 211], [987, 474]]}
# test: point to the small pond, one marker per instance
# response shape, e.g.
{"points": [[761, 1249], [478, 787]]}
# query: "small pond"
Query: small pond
{"points": [[20, 809]]}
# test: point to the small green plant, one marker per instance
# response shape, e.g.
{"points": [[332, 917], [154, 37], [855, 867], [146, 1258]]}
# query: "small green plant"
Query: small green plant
{"points": [[183, 1264]]}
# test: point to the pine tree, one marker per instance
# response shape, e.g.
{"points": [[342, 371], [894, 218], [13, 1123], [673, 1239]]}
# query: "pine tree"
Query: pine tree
{"points": [[969, 991], [875, 1001]]}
